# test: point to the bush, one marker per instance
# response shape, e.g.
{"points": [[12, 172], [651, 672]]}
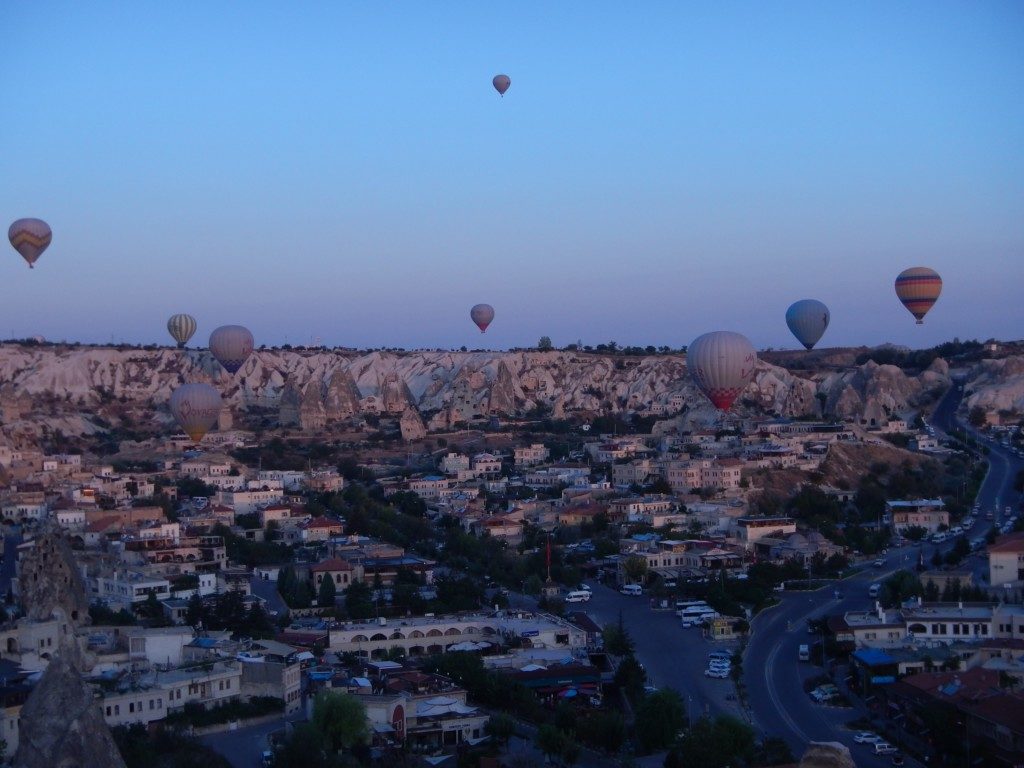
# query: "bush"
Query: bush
{"points": [[197, 715]]}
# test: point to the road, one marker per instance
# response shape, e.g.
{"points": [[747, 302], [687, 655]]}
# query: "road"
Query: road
{"points": [[773, 673], [673, 657]]}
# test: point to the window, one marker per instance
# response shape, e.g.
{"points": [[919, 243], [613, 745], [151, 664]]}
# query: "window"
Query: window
{"points": [[108, 711], [131, 706], [117, 709]]}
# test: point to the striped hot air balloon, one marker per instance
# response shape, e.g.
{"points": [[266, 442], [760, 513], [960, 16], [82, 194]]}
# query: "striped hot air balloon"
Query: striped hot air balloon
{"points": [[231, 345], [181, 327], [196, 408], [918, 288], [482, 315], [807, 319], [30, 237], [722, 364]]}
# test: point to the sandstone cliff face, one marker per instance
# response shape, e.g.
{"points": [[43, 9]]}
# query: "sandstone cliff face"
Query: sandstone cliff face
{"points": [[314, 388], [827, 754], [61, 724], [996, 385]]}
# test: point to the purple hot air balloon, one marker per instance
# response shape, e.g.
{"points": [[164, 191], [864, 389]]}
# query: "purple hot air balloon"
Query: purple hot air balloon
{"points": [[501, 83], [30, 237], [231, 345]]}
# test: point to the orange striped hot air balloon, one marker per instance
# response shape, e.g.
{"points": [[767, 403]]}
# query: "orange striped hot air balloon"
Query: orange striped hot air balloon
{"points": [[918, 288], [30, 237]]}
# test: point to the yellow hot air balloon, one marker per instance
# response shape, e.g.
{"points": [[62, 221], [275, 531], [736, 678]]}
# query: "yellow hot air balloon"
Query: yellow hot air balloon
{"points": [[196, 408], [918, 288]]}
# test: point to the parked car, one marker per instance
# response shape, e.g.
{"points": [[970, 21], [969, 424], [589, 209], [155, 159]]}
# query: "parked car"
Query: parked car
{"points": [[721, 674], [879, 563], [884, 748], [866, 737]]}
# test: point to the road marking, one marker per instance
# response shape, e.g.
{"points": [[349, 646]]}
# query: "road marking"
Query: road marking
{"points": [[770, 685]]}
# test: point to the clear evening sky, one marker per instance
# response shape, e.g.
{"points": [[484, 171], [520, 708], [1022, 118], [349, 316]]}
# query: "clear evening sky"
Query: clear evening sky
{"points": [[345, 171]]}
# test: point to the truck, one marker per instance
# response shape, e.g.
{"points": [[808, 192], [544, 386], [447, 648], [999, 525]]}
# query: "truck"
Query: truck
{"points": [[805, 653]]}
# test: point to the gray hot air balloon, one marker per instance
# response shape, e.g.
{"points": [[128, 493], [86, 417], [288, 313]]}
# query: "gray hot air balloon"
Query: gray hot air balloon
{"points": [[30, 237], [501, 83], [722, 364], [181, 327], [807, 319], [231, 345], [482, 315], [196, 407]]}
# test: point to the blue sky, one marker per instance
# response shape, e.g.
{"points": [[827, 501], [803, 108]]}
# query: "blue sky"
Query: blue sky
{"points": [[345, 171]]}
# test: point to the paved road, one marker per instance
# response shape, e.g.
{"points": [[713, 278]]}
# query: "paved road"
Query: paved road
{"points": [[773, 673], [244, 748], [673, 657], [268, 591]]}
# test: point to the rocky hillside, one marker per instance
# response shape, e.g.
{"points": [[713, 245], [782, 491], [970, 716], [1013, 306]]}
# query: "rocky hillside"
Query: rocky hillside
{"points": [[72, 386], [997, 385]]}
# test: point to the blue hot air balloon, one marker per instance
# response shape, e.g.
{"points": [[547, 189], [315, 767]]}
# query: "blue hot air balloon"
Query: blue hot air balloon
{"points": [[807, 319]]}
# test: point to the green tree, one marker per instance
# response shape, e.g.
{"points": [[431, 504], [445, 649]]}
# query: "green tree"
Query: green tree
{"points": [[631, 677], [558, 746], [341, 720], [545, 344], [722, 742], [358, 601], [327, 592], [305, 748], [635, 569], [616, 638], [604, 729], [500, 727], [659, 718]]}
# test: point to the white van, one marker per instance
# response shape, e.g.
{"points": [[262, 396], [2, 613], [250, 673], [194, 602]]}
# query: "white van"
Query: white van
{"points": [[682, 605], [577, 596], [631, 589]]}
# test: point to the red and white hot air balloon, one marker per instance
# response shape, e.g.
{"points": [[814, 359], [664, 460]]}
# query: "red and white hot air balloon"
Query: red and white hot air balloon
{"points": [[196, 408], [30, 237], [722, 364], [482, 315], [501, 83]]}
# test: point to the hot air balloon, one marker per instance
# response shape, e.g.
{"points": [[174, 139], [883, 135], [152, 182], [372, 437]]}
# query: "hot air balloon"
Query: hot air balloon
{"points": [[30, 237], [501, 83], [807, 319], [482, 315], [231, 345], [722, 363], [918, 288], [181, 328], [196, 407]]}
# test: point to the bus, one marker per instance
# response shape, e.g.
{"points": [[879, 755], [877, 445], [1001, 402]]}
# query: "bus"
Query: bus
{"points": [[682, 605]]}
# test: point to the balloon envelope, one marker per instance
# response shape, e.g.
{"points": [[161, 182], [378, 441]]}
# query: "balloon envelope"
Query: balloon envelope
{"points": [[807, 319], [30, 237], [722, 364], [231, 345], [482, 315], [918, 288], [501, 83], [196, 407], [181, 328]]}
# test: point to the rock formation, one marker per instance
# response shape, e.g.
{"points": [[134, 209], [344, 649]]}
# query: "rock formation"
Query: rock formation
{"points": [[827, 754], [411, 425], [80, 390], [61, 724], [50, 584]]}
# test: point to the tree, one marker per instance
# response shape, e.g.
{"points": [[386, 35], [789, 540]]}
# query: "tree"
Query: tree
{"points": [[305, 748], [358, 601], [976, 416], [500, 727], [630, 677], [616, 638], [545, 344], [605, 730], [659, 718], [635, 569], [340, 718], [556, 745], [719, 743], [327, 592]]}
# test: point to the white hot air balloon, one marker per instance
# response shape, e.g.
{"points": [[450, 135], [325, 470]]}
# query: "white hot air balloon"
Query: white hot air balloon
{"points": [[231, 345], [722, 364], [807, 319], [196, 408], [181, 328]]}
